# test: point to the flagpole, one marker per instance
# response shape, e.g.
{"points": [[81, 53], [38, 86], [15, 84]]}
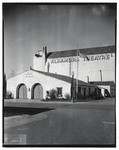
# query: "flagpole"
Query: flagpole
{"points": [[77, 75], [72, 88]]}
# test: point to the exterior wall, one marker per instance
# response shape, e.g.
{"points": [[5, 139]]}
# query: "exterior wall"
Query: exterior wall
{"points": [[29, 78], [67, 65], [39, 62], [92, 90], [112, 91]]}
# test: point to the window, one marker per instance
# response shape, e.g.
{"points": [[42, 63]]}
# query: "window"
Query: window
{"points": [[79, 90], [59, 91]]}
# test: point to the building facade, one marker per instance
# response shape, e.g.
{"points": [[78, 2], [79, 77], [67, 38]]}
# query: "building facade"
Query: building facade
{"points": [[93, 69]]}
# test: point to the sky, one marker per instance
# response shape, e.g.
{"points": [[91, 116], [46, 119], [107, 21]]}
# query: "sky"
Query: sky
{"points": [[30, 27]]}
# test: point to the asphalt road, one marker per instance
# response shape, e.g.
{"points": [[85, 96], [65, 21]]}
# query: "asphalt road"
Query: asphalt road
{"points": [[79, 124]]}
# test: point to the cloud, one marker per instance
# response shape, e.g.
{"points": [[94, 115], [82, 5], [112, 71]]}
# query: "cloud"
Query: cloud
{"points": [[99, 9], [43, 8]]}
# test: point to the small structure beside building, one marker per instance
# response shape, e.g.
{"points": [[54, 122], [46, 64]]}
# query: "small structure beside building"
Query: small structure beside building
{"points": [[108, 87]]}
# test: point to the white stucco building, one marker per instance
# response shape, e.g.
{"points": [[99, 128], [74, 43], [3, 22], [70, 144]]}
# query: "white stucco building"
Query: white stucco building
{"points": [[94, 69]]}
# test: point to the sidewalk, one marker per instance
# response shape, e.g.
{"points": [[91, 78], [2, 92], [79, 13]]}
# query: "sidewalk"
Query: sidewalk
{"points": [[41, 104]]}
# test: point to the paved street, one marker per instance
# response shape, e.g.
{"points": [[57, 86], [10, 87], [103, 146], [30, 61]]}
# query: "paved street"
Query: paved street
{"points": [[79, 124]]}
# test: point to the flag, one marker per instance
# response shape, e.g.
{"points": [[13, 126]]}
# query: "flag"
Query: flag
{"points": [[82, 55]]}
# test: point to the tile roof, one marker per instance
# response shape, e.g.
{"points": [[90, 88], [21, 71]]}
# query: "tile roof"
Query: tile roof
{"points": [[64, 78], [86, 51]]}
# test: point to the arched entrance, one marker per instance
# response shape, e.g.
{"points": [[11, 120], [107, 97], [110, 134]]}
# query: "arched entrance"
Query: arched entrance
{"points": [[37, 91], [21, 91]]}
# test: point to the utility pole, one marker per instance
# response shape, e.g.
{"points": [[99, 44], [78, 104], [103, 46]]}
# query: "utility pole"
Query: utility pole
{"points": [[100, 74]]}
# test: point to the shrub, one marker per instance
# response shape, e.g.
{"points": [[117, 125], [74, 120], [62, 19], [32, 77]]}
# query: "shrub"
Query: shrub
{"points": [[67, 96], [98, 97], [52, 94], [9, 95]]}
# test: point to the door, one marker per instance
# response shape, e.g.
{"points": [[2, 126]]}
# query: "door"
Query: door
{"points": [[38, 92], [22, 92]]}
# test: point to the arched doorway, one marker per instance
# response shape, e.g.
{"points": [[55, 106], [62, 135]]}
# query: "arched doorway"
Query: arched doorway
{"points": [[21, 91], [37, 91]]}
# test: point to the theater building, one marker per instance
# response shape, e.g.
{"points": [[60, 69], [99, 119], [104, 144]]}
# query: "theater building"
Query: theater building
{"points": [[93, 70]]}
